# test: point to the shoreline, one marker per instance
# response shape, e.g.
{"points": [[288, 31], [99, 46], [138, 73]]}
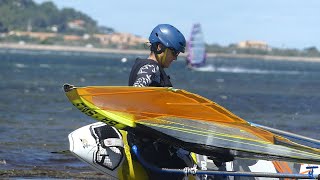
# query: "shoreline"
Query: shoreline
{"points": [[12, 46]]}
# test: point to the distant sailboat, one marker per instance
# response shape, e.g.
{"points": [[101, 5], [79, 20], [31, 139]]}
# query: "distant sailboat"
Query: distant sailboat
{"points": [[196, 58]]}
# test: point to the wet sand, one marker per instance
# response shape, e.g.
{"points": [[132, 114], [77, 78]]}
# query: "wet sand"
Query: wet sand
{"points": [[41, 173], [146, 52]]}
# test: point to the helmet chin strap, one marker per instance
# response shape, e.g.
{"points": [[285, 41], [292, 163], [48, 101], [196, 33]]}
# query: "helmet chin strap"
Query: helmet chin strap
{"points": [[163, 58]]}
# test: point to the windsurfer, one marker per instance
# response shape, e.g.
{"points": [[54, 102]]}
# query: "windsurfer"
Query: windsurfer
{"points": [[166, 42]]}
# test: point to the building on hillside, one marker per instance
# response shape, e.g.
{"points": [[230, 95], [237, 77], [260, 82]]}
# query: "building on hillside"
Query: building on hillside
{"points": [[72, 38], [54, 28], [76, 24], [253, 44], [120, 39], [103, 38], [37, 35]]}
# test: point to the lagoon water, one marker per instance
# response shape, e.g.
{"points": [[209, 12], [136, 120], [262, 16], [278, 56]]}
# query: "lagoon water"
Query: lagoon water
{"points": [[36, 117]]}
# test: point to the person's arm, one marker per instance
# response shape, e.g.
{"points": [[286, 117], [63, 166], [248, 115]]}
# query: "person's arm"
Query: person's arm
{"points": [[147, 75]]}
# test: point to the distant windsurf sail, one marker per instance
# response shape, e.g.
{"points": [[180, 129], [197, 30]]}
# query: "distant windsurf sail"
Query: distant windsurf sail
{"points": [[187, 120], [196, 48]]}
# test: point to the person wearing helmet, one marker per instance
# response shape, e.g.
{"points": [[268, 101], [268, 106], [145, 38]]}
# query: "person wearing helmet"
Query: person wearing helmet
{"points": [[166, 42]]}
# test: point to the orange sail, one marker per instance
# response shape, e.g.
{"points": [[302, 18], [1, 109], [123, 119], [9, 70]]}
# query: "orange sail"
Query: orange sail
{"points": [[188, 120]]}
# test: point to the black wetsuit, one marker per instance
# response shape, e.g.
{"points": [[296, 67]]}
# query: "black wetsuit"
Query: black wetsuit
{"points": [[147, 72]]}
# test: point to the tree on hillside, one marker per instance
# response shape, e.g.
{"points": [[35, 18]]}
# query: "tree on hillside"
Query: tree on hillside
{"points": [[3, 29], [105, 30], [311, 51]]}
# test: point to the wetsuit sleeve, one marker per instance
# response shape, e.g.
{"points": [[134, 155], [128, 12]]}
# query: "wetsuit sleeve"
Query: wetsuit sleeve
{"points": [[147, 75]]}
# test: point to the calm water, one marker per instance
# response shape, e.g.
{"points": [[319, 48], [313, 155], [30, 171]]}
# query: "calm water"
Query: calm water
{"points": [[36, 117]]}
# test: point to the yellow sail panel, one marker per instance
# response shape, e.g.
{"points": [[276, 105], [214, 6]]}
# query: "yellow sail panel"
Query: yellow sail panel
{"points": [[157, 101], [114, 118]]}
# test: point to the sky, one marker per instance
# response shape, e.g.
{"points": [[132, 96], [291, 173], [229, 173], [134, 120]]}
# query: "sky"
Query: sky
{"points": [[279, 23]]}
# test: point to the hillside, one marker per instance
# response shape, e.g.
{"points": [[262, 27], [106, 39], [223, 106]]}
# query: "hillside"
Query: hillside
{"points": [[26, 15]]}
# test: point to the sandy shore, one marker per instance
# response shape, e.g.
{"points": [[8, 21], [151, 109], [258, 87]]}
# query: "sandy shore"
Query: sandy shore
{"points": [[145, 52]]}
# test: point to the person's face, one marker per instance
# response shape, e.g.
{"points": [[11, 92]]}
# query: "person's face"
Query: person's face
{"points": [[171, 56]]}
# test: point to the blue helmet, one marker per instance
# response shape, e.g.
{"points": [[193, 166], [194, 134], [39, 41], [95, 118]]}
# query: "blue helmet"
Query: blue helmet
{"points": [[169, 36]]}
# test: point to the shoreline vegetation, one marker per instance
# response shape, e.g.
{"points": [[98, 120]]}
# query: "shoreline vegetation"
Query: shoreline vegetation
{"points": [[16, 46]]}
